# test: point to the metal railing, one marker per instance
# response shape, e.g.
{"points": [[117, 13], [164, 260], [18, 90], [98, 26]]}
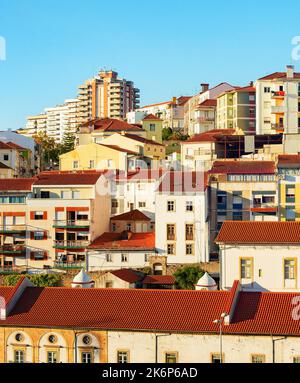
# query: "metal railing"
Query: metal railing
{"points": [[71, 223], [71, 244]]}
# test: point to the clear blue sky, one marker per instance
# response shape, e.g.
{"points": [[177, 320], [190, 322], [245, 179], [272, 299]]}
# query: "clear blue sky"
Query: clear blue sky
{"points": [[166, 47]]}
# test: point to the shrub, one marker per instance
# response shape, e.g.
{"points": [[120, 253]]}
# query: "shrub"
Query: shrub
{"points": [[187, 277], [38, 280]]}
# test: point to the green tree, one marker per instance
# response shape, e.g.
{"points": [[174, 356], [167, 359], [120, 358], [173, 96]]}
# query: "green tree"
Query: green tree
{"points": [[68, 141], [50, 150], [38, 280], [187, 277], [167, 134]]}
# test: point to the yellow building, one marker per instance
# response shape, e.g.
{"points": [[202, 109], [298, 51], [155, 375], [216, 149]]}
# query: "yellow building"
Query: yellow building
{"points": [[135, 143], [96, 156], [153, 127]]}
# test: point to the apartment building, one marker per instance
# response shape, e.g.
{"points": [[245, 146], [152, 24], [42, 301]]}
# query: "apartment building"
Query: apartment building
{"points": [[236, 109], [242, 191], [72, 330], [277, 105], [35, 125], [52, 221], [261, 255], [171, 113], [136, 191], [205, 114], [289, 187], [192, 123], [181, 218], [107, 96]]}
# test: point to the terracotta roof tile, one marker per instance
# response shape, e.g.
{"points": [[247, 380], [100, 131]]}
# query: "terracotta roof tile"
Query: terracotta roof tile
{"points": [[134, 215], [151, 117], [209, 103], [68, 178], [259, 232], [17, 184], [243, 167], [210, 136], [278, 75], [288, 159], [183, 182], [128, 275], [112, 125], [142, 139], [125, 241], [159, 280]]}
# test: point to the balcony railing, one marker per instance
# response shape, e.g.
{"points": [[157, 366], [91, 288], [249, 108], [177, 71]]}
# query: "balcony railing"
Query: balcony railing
{"points": [[71, 244], [71, 224], [279, 94], [278, 109], [13, 229], [13, 250], [278, 127], [69, 265]]}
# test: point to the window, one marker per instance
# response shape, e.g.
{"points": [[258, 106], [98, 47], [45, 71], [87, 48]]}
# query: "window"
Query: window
{"points": [[109, 258], [109, 285], [296, 359], [189, 206], [75, 164], [123, 357], [237, 201], [38, 215], [258, 359], [6, 157], [109, 164], [216, 358], [290, 193], [289, 269], [171, 206], [19, 356], [114, 227], [189, 249], [124, 258], [237, 216], [222, 200], [189, 232], [52, 339], [246, 268], [92, 164], [267, 90], [290, 213], [87, 340], [142, 204], [52, 357], [38, 235], [19, 337], [171, 249], [152, 127], [128, 227], [171, 232], [114, 204], [86, 357], [75, 194], [171, 357], [45, 194]]}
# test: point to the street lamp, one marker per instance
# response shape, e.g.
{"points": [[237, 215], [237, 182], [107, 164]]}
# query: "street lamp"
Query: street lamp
{"points": [[220, 322]]}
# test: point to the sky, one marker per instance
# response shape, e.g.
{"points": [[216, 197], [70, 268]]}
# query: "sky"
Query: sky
{"points": [[167, 47]]}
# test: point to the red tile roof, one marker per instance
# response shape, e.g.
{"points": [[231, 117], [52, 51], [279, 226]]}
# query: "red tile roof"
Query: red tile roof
{"points": [[157, 104], [210, 136], [278, 75], [142, 139], [125, 241], [183, 182], [128, 275], [259, 232], [243, 167], [68, 178], [183, 100], [15, 146], [288, 159], [151, 117], [134, 215], [16, 184], [4, 145], [209, 103], [112, 125], [159, 280], [153, 310]]}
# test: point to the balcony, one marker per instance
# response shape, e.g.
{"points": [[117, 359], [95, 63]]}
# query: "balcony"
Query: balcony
{"points": [[206, 119], [70, 245], [69, 265], [17, 250], [278, 127], [70, 224], [279, 94], [278, 109], [15, 229]]}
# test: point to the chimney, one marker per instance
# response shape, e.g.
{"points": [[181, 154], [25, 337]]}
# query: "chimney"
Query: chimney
{"points": [[251, 83], [204, 87], [290, 70]]}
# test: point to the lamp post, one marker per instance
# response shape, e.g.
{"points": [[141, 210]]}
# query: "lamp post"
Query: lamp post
{"points": [[220, 322]]}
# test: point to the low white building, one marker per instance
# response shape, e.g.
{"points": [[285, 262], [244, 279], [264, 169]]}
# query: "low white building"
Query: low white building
{"points": [[263, 256], [113, 251], [181, 218]]}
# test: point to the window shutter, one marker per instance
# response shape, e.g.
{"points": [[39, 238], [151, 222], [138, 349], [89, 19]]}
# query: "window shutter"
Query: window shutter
{"points": [[32, 215], [45, 216], [32, 235], [32, 255], [45, 255], [45, 235]]}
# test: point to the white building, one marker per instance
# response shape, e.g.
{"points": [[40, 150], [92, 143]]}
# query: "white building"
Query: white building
{"points": [[181, 218], [277, 107], [114, 251], [261, 255]]}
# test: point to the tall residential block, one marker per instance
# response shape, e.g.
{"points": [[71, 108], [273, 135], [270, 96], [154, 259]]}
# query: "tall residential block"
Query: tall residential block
{"points": [[107, 95], [277, 103]]}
